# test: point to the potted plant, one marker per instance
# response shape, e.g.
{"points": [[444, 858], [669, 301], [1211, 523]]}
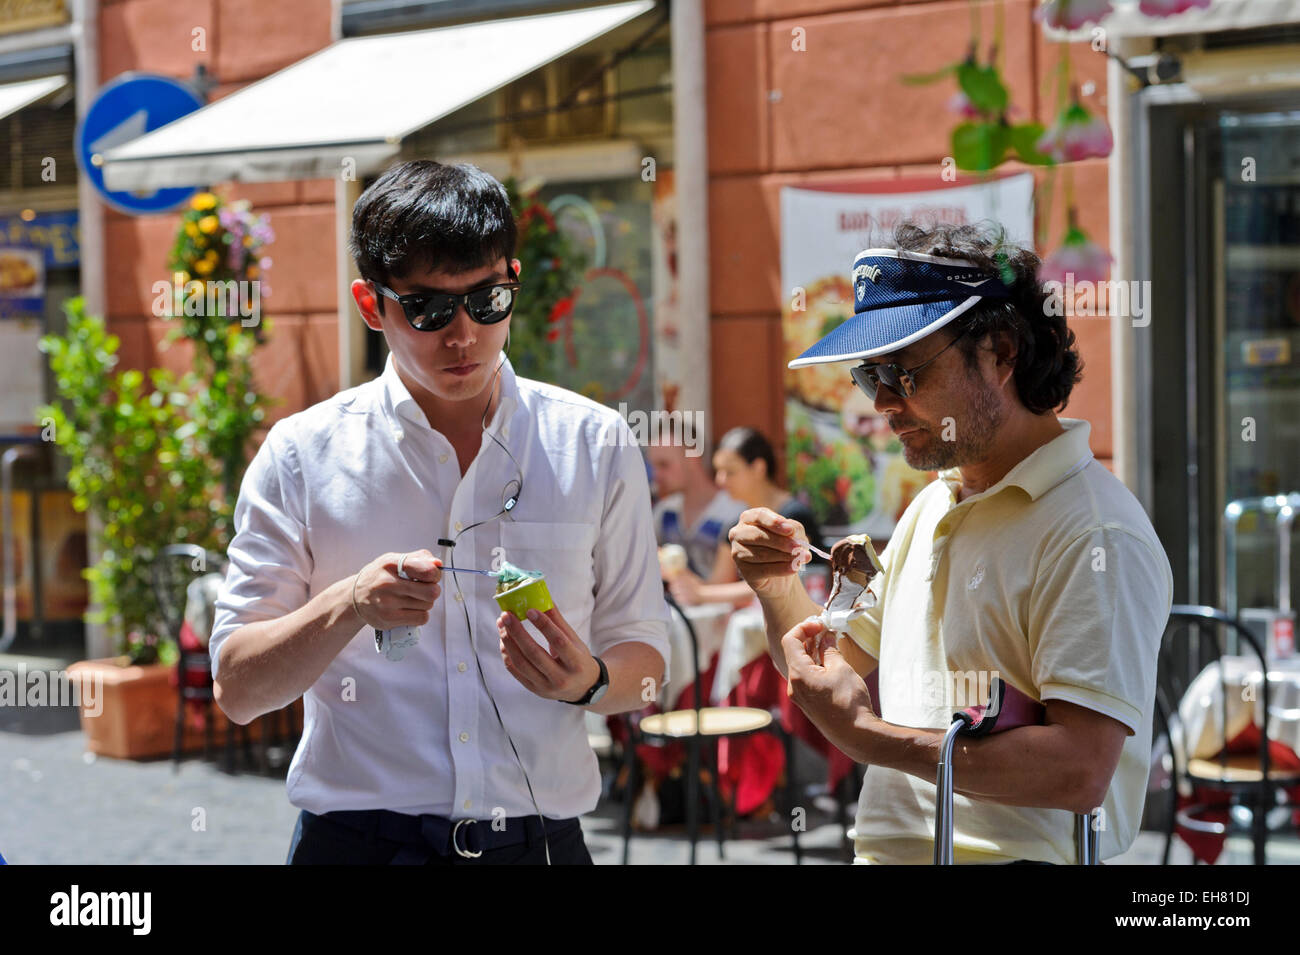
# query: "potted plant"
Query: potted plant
{"points": [[159, 464]]}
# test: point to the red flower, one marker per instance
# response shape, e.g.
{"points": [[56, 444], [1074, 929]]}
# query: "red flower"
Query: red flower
{"points": [[553, 335], [842, 486], [560, 309]]}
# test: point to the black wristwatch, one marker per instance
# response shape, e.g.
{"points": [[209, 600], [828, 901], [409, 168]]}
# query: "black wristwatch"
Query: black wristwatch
{"points": [[597, 689]]}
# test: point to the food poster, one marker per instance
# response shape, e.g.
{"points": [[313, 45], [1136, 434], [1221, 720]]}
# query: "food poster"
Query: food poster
{"points": [[841, 457], [22, 282]]}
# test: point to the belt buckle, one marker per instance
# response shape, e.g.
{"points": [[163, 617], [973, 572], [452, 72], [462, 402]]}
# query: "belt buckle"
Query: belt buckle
{"points": [[463, 853]]}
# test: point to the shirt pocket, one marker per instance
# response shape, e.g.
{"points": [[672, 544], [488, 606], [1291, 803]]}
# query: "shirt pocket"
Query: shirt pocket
{"points": [[563, 553]]}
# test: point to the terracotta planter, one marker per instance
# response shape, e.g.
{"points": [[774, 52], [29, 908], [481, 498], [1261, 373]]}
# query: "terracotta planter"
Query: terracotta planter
{"points": [[137, 718]]}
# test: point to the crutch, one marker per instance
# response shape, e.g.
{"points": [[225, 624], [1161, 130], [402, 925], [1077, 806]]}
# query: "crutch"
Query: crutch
{"points": [[1006, 709]]}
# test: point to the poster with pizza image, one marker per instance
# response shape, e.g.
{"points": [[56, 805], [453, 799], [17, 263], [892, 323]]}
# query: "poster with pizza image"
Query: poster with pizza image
{"points": [[841, 457], [22, 282]]}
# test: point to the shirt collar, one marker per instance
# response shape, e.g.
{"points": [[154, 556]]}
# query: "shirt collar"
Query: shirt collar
{"points": [[1045, 467], [399, 401]]}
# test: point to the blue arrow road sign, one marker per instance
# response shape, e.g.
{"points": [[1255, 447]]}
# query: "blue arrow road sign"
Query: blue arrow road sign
{"points": [[127, 108]]}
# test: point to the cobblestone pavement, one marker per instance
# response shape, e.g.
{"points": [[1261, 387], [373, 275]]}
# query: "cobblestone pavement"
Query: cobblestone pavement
{"points": [[59, 805]]}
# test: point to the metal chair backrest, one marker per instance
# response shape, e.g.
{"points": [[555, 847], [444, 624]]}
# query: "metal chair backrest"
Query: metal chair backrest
{"points": [[695, 654], [1174, 676], [171, 572]]}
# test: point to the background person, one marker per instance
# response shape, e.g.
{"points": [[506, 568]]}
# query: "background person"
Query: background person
{"points": [[745, 468], [690, 510]]}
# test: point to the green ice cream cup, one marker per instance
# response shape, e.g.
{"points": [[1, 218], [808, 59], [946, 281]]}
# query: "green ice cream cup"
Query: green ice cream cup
{"points": [[531, 594]]}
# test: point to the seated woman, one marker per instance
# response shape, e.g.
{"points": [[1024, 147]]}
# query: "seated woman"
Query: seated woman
{"points": [[745, 466]]}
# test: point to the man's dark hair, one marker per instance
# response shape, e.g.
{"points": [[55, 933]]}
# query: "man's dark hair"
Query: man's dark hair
{"points": [[424, 215], [752, 446], [1047, 361]]}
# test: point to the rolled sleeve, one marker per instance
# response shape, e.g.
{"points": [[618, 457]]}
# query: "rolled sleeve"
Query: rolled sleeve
{"points": [[269, 561], [1096, 617], [629, 604]]}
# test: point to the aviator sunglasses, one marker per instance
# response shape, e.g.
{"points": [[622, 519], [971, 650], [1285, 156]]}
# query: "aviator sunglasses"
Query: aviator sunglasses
{"points": [[432, 311], [901, 381]]}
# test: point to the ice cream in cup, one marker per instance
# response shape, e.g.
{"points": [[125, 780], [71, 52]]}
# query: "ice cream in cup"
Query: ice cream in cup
{"points": [[519, 591]]}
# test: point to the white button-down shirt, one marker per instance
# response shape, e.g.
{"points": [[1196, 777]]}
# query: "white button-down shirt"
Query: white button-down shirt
{"points": [[362, 474]]}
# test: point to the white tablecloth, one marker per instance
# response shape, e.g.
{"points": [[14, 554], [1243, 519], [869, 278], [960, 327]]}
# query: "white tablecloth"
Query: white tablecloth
{"points": [[710, 624], [744, 642], [1202, 708]]}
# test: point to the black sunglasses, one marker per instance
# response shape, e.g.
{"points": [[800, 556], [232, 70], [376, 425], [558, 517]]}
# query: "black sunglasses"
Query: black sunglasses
{"points": [[432, 311], [901, 381]]}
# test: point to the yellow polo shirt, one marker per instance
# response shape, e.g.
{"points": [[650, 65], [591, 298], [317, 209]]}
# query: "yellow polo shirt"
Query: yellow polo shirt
{"points": [[1054, 579]]}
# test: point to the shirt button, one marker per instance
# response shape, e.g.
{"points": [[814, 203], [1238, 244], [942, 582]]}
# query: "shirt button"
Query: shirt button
{"points": [[397, 435], [459, 526], [464, 737], [505, 432], [468, 804], [459, 599], [461, 667], [442, 459]]}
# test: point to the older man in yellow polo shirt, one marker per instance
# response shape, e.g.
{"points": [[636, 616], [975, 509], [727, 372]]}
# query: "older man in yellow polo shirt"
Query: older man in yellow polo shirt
{"points": [[1026, 560]]}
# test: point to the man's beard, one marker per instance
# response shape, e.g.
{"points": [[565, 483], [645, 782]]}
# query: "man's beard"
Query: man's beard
{"points": [[973, 434]]}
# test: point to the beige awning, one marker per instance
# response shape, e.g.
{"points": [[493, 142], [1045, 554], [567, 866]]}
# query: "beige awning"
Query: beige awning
{"points": [[348, 107], [1220, 15], [16, 96]]}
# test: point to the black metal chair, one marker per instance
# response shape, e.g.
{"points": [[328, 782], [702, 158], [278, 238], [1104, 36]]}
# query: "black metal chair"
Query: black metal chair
{"points": [[1246, 779], [693, 726], [175, 567]]}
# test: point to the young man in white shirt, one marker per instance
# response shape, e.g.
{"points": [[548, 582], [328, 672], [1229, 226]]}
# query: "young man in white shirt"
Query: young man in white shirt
{"points": [[468, 746]]}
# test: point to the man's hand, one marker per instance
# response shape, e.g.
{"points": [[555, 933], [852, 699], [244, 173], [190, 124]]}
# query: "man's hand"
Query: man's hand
{"points": [[387, 601], [566, 673], [824, 685], [767, 550]]}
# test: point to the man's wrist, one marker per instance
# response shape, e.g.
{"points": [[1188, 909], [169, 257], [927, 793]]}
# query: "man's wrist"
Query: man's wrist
{"points": [[864, 726], [590, 685]]}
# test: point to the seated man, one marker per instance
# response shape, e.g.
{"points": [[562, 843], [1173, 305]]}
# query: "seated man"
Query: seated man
{"points": [[692, 513], [1026, 559]]}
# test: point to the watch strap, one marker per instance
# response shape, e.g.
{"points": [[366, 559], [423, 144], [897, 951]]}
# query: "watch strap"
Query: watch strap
{"points": [[601, 681]]}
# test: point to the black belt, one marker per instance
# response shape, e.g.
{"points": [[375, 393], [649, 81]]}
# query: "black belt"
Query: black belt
{"points": [[421, 836]]}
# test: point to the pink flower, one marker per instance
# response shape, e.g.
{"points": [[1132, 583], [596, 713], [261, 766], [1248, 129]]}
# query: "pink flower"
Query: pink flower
{"points": [[1167, 8], [962, 106], [1077, 135], [1071, 14], [1077, 260]]}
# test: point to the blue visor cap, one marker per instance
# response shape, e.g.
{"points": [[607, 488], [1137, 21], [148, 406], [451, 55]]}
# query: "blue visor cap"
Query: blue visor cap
{"points": [[899, 298]]}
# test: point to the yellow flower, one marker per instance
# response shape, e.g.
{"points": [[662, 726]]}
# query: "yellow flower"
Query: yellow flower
{"points": [[253, 272], [209, 224], [248, 240], [212, 255], [191, 230], [203, 266], [203, 202]]}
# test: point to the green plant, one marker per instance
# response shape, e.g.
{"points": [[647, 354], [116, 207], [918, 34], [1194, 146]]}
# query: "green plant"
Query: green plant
{"points": [[161, 463], [133, 464]]}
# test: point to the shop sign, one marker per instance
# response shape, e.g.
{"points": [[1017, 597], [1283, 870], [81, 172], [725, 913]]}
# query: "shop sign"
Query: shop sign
{"points": [[18, 15], [56, 234]]}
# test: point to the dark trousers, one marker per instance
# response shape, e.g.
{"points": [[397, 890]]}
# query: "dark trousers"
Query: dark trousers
{"points": [[379, 837]]}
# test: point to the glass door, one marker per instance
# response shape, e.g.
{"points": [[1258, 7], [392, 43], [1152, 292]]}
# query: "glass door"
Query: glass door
{"points": [[1253, 157]]}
